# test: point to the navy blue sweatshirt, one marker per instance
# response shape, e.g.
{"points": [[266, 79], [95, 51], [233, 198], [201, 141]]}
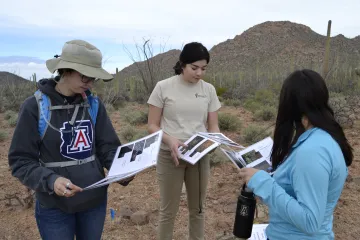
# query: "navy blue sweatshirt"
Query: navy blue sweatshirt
{"points": [[27, 147]]}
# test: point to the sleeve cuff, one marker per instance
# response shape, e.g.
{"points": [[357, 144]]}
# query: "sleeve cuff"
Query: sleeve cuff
{"points": [[50, 182], [258, 180]]}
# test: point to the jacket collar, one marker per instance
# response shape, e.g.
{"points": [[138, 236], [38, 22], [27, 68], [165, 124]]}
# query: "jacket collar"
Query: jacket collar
{"points": [[304, 136]]}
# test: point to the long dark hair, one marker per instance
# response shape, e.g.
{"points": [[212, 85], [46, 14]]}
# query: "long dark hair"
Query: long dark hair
{"points": [[304, 93], [191, 52]]}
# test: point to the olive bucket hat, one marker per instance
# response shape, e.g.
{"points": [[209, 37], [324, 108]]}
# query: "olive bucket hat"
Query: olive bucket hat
{"points": [[81, 56]]}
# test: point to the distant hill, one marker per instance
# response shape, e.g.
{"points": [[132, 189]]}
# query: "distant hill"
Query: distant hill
{"points": [[280, 46], [269, 47], [12, 78]]}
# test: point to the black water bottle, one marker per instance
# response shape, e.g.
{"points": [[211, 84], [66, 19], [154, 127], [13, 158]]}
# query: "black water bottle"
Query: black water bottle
{"points": [[245, 212]]}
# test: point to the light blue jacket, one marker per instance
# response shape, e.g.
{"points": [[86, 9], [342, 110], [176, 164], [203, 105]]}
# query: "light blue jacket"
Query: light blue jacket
{"points": [[304, 190]]}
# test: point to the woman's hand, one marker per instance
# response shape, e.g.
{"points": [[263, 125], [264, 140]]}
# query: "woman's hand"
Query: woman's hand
{"points": [[64, 188], [174, 145], [247, 173]]}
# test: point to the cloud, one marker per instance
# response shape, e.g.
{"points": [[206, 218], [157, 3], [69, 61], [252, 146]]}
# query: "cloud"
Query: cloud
{"points": [[26, 70], [20, 59], [109, 24], [206, 21]]}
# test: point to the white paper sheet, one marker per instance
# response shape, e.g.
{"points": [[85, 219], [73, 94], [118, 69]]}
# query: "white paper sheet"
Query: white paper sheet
{"points": [[132, 158], [258, 232]]}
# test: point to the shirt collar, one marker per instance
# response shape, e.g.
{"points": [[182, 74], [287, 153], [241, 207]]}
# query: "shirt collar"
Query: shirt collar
{"points": [[304, 136]]}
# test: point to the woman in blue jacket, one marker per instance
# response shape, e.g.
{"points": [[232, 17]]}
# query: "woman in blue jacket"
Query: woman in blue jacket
{"points": [[310, 156]]}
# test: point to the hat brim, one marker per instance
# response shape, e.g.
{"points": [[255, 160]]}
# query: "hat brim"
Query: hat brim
{"points": [[89, 71]]}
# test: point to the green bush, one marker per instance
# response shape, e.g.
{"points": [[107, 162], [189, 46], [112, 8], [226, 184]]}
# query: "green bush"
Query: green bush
{"points": [[136, 117], [266, 113], [229, 122], [220, 91], [252, 105], [254, 133], [12, 120], [217, 157], [262, 97], [8, 114], [232, 102], [3, 135], [128, 133], [140, 134]]}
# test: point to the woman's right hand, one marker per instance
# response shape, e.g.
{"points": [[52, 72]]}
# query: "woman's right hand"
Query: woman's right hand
{"points": [[174, 145], [64, 188]]}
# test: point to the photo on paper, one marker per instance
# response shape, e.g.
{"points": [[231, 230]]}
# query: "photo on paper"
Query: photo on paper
{"points": [[202, 147], [262, 166], [232, 156], [192, 144], [138, 149], [151, 141], [251, 156]]}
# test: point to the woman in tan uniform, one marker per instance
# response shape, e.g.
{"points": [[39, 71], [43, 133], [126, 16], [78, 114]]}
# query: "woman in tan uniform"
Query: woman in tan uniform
{"points": [[181, 106]]}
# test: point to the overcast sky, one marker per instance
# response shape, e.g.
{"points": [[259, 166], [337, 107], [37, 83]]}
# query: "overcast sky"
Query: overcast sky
{"points": [[34, 31]]}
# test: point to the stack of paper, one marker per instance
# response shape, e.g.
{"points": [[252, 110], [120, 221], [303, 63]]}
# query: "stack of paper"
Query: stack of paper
{"points": [[258, 232], [256, 155], [132, 158], [202, 143]]}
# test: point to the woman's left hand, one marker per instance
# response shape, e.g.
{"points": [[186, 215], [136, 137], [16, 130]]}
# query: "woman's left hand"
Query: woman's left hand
{"points": [[247, 173]]}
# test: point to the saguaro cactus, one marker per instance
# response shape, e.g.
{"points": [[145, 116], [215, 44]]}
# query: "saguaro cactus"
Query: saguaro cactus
{"points": [[34, 80], [327, 51]]}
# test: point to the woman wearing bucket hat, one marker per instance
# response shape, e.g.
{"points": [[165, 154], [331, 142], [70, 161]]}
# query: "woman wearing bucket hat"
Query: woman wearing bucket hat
{"points": [[61, 147]]}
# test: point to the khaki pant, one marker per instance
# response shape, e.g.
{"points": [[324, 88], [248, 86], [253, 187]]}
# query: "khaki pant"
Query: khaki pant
{"points": [[171, 180]]}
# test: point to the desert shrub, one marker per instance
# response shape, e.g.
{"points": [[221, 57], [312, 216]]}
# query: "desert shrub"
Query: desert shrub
{"points": [[252, 105], [141, 133], [136, 117], [13, 94], [254, 133], [12, 120], [266, 113], [220, 91], [229, 122], [217, 157], [128, 133], [109, 107], [3, 135], [346, 108], [262, 97], [8, 114], [232, 102]]}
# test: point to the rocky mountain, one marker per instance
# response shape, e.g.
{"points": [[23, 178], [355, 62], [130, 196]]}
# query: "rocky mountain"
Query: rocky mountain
{"points": [[270, 46], [279, 46]]}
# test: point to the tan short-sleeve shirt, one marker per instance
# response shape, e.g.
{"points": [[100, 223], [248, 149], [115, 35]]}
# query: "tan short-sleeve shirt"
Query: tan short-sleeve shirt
{"points": [[185, 106]]}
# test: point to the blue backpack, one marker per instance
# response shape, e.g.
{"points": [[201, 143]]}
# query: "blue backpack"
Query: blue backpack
{"points": [[45, 108]]}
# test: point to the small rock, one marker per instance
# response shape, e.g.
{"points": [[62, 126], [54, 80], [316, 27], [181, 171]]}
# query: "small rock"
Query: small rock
{"points": [[215, 202], [356, 180], [125, 212], [140, 218], [121, 197], [230, 208]]}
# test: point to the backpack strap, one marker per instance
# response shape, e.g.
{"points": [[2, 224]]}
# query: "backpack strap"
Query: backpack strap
{"points": [[44, 104], [94, 107]]}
